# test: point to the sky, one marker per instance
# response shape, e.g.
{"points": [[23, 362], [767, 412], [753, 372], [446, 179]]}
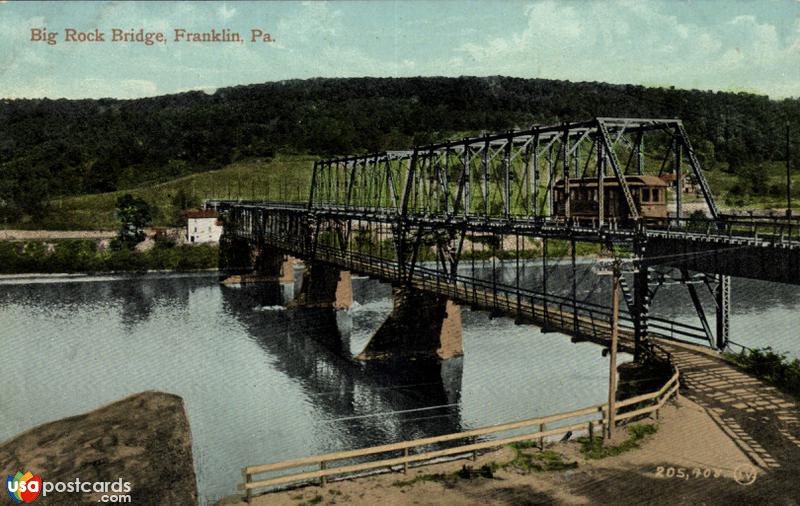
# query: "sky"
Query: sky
{"points": [[726, 45]]}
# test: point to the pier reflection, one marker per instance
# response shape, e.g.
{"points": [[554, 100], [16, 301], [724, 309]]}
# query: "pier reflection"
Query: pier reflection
{"points": [[374, 402]]}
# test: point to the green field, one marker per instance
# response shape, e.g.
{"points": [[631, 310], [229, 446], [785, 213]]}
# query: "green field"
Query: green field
{"points": [[765, 189], [283, 177]]}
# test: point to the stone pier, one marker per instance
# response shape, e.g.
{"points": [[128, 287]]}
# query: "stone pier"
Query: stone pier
{"points": [[256, 265], [420, 324], [325, 286]]}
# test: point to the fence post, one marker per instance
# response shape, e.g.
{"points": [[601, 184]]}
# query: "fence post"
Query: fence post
{"points": [[405, 464], [248, 492], [591, 432], [322, 479], [541, 439]]}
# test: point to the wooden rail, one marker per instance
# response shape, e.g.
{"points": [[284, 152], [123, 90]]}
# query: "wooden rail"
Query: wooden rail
{"points": [[401, 453]]}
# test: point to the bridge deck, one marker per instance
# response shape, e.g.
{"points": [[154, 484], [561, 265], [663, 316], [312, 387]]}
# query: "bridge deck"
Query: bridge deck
{"points": [[761, 249], [761, 420], [580, 319]]}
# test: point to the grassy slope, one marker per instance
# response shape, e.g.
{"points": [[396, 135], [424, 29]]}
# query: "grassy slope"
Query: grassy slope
{"points": [[287, 176], [721, 183]]}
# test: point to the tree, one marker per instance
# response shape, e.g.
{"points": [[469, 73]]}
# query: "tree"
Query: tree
{"points": [[134, 214], [698, 222], [182, 201], [753, 179]]}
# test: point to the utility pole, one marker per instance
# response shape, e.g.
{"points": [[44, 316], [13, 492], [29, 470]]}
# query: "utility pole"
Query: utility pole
{"points": [[788, 176], [612, 367], [616, 272]]}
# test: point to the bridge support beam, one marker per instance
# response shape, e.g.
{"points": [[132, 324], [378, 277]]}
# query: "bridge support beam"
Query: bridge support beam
{"points": [[420, 324], [235, 255], [641, 307], [642, 297], [722, 294], [271, 264], [325, 286], [770, 262]]}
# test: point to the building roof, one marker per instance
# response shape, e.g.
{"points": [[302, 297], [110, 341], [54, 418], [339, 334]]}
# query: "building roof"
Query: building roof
{"points": [[644, 180], [201, 213]]}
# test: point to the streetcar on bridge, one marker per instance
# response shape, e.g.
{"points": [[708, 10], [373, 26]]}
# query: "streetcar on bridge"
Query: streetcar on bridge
{"points": [[649, 195]]}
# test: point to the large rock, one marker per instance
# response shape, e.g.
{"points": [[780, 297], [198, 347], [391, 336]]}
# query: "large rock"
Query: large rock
{"points": [[143, 439]]}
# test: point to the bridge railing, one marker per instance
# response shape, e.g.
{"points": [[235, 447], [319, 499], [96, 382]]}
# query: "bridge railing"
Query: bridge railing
{"points": [[675, 329], [398, 456], [588, 318], [762, 228], [773, 229]]}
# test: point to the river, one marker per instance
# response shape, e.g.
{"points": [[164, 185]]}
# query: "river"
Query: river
{"points": [[262, 383]]}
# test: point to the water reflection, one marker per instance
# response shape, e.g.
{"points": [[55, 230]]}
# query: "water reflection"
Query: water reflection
{"points": [[264, 384], [381, 398], [762, 313], [132, 297]]}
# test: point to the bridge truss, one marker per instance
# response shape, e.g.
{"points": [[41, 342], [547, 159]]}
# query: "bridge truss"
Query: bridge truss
{"points": [[509, 175], [423, 217]]}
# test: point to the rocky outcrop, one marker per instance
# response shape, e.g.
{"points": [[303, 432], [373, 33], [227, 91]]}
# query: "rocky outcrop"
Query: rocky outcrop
{"points": [[143, 439]]}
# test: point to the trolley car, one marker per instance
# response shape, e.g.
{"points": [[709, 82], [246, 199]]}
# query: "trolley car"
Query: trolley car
{"points": [[649, 195]]}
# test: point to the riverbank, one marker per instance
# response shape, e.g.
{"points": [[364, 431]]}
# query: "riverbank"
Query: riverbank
{"points": [[730, 439], [84, 255], [91, 277], [687, 440]]}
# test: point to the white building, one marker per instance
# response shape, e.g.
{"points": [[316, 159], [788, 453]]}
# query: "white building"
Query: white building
{"points": [[203, 225]]}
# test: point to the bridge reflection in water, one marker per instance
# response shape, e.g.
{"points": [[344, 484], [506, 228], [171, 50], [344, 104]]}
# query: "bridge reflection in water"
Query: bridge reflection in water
{"points": [[391, 400]]}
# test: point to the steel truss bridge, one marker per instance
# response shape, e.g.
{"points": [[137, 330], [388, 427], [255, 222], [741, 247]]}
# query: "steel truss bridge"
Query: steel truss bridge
{"points": [[421, 218]]}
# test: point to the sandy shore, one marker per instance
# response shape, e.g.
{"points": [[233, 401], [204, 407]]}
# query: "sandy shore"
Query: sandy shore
{"points": [[687, 439]]}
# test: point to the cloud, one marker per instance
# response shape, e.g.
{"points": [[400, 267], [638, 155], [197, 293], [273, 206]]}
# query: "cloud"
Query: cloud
{"points": [[314, 22], [125, 88], [225, 12], [315, 40], [643, 41], [619, 41]]}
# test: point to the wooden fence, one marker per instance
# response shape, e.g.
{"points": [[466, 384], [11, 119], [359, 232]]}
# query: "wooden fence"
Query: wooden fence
{"points": [[403, 454]]}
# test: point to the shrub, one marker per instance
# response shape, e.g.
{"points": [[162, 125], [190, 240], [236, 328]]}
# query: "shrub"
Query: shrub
{"points": [[76, 255], [593, 447], [771, 366], [32, 257], [10, 260], [82, 255]]}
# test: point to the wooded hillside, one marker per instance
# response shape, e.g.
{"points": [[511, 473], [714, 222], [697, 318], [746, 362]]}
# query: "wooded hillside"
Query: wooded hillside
{"points": [[51, 148]]}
